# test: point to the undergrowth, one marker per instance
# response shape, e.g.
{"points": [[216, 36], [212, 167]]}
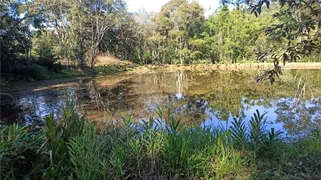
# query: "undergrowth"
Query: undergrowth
{"points": [[70, 147]]}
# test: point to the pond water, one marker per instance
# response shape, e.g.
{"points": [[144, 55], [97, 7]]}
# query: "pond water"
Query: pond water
{"points": [[207, 99]]}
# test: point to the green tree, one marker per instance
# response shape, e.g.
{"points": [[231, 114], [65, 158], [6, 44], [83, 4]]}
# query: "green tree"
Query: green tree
{"points": [[45, 47], [81, 24], [232, 35], [177, 22], [15, 37]]}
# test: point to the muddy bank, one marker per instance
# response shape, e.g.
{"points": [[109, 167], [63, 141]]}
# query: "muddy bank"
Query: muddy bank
{"points": [[42, 85]]}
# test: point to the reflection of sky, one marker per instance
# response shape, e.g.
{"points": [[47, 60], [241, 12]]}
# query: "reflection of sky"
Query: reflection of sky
{"points": [[272, 116], [213, 121], [40, 106], [142, 95], [179, 95]]}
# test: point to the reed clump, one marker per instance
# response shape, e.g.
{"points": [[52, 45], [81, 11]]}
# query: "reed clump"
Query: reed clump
{"points": [[70, 147]]}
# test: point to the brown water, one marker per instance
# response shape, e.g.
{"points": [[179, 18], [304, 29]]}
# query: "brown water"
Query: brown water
{"points": [[210, 98]]}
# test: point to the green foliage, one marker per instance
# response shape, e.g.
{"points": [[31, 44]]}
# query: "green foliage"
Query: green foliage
{"points": [[117, 161], [58, 135], [87, 155], [106, 70], [162, 148], [79, 31], [44, 46], [228, 161], [14, 35], [20, 154], [34, 71], [233, 36], [310, 144], [261, 142], [239, 131]]}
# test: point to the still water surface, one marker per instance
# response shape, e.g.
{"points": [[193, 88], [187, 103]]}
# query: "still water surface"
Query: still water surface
{"points": [[207, 99]]}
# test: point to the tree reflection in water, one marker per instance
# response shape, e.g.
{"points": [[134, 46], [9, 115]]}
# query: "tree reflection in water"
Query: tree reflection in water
{"points": [[198, 98], [304, 116]]}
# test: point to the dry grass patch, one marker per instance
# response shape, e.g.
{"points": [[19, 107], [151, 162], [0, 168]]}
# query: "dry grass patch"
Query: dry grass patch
{"points": [[111, 60]]}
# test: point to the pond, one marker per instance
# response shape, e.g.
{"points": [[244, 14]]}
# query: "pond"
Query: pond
{"points": [[198, 98]]}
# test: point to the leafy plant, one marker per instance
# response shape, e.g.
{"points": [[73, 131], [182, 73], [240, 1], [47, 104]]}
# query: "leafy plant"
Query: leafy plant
{"points": [[20, 152], [117, 162], [58, 134], [87, 153], [257, 132], [239, 132]]}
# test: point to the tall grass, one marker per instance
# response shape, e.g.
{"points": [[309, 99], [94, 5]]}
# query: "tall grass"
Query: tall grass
{"points": [[70, 147]]}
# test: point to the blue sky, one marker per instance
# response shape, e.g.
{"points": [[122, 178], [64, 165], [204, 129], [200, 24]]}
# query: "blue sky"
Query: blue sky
{"points": [[155, 5]]}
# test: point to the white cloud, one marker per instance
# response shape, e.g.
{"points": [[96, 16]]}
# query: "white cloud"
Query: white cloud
{"points": [[155, 5], [148, 5]]}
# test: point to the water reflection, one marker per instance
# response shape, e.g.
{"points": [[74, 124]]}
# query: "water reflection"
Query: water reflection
{"points": [[199, 98]]}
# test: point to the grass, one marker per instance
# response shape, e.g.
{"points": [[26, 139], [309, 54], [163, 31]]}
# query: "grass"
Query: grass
{"points": [[70, 147]]}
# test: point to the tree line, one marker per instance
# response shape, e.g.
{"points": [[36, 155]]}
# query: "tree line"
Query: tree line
{"points": [[44, 31]]}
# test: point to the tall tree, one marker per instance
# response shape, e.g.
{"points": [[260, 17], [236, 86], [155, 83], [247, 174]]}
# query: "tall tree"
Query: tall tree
{"points": [[232, 35], [180, 20], [81, 24], [299, 27], [15, 37]]}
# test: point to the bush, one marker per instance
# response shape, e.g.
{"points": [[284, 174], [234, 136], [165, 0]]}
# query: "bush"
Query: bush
{"points": [[105, 70], [57, 67], [87, 155], [34, 71], [59, 133], [19, 149], [48, 62]]}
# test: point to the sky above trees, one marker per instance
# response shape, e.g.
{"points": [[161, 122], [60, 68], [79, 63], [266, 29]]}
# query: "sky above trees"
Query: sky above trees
{"points": [[155, 5]]}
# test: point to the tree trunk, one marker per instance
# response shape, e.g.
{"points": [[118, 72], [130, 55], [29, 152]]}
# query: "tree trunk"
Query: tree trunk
{"points": [[180, 53], [92, 61]]}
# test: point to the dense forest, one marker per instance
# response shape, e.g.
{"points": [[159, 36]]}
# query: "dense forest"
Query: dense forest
{"points": [[35, 35]]}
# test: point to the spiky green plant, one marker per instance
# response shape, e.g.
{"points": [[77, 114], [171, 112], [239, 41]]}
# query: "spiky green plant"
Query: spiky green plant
{"points": [[239, 132], [86, 153], [152, 139], [19, 152], [117, 162], [160, 148], [58, 133], [136, 155], [257, 132]]}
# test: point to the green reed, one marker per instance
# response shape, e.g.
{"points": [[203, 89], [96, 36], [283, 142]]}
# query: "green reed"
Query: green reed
{"points": [[70, 147]]}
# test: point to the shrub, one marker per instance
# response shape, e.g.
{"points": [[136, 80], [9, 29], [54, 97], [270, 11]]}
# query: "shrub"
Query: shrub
{"points": [[34, 71], [19, 152], [105, 70], [57, 67], [87, 155], [58, 133], [47, 62]]}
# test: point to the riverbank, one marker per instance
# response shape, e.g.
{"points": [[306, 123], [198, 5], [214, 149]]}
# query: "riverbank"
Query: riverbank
{"points": [[116, 66], [69, 73], [74, 148], [250, 66]]}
